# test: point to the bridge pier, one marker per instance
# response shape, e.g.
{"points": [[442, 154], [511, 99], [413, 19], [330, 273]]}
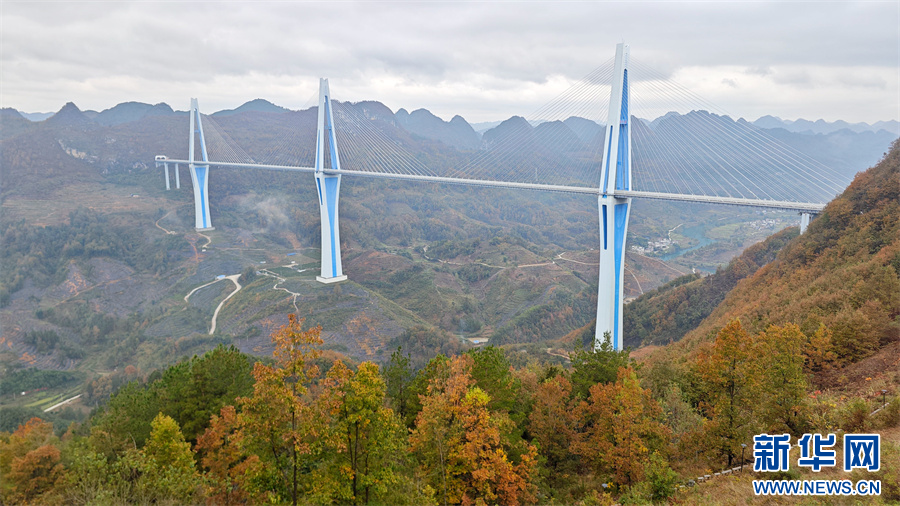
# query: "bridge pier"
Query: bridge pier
{"points": [[199, 173], [614, 212], [329, 189], [177, 178], [167, 175], [804, 221]]}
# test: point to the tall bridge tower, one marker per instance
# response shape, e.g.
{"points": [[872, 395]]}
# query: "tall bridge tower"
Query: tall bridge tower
{"points": [[329, 188], [199, 172], [614, 211]]}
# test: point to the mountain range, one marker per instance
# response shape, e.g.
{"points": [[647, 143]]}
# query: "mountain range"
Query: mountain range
{"points": [[821, 126], [827, 140], [768, 121]]}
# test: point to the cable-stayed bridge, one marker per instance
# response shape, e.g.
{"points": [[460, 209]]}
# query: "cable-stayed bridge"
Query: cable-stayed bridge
{"points": [[578, 143]]}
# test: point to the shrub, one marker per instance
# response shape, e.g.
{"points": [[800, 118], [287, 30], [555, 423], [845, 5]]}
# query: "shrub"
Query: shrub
{"points": [[856, 416], [661, 478], [889, 416]]}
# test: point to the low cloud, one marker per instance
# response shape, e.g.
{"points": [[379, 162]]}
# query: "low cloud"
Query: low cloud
{"points": [[271, 211]]}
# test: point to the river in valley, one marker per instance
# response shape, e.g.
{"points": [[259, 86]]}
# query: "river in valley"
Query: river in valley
{"points": [[697, 233]]}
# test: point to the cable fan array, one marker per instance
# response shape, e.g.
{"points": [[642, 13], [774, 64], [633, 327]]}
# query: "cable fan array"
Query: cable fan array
{"points": [[695, 149], [560, 144], [704, 152]]}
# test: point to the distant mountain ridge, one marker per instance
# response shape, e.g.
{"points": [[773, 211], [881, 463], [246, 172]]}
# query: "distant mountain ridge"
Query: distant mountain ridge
{"points": [[457, 132], [256, 105], [848, 149], [424, 120], [843, 150], [127, 112], [35, 116], [823, 127], [12, 123], [69, 115]]}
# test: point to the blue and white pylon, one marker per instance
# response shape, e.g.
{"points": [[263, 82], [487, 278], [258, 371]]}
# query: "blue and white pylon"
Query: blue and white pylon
{"points": [[199, 172], [329, 189], [614, 212]]}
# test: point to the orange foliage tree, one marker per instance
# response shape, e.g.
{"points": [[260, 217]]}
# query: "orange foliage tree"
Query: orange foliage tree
{"points": [[230, 468], [29, 462], [458, 440], [621, 427], [552, 422], [277, 417]]}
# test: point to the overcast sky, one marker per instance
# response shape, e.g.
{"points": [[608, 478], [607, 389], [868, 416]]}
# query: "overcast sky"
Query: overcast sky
{"points": [[482, 60]]}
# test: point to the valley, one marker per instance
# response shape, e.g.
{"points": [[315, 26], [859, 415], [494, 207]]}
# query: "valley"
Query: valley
{"points": [[106, 283]]}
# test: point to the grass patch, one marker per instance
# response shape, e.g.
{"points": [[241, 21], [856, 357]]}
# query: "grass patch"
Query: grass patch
{"points": [[285, 272], [332, 319]]}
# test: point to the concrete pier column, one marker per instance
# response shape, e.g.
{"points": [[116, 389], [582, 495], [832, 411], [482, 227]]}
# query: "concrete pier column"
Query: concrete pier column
{"points": [[804, 222]]}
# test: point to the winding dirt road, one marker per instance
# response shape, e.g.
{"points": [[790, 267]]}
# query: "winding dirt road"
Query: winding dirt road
{"points": [[234, 279]]}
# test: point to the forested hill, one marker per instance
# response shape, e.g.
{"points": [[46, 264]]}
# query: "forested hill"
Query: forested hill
{"points": [[842, 273], [669, 312]]}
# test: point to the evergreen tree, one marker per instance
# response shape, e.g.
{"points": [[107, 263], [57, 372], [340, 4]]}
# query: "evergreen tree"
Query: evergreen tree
{"points": [[167, 464]]}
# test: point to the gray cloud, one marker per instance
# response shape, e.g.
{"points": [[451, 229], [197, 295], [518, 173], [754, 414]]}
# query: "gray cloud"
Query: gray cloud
{"points": [[759, 71], [794, 76], [483, 60]]}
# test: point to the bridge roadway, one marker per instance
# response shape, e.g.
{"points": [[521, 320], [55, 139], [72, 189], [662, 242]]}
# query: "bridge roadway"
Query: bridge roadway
{"points": [[803, 207]]}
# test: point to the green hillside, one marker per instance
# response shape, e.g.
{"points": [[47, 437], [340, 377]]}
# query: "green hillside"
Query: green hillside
{"points": [[669, 312], [842, 273]]}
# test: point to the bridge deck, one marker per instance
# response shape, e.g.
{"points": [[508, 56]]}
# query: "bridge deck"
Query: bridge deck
{"points": [[806, 207]]}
